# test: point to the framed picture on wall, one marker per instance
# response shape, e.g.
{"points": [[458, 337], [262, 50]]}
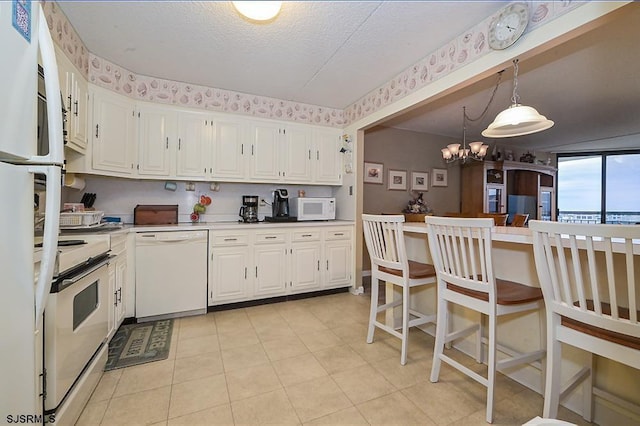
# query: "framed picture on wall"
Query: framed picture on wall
{"points": [[373, 172], [439, 177], [420, 181], [397, 180]]}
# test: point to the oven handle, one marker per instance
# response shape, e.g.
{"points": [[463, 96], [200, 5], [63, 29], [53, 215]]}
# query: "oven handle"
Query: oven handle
{"points": [[70, 281]]}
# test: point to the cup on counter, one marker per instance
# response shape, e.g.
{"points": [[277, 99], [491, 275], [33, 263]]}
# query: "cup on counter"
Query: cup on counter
{"points": [[301, 193]]}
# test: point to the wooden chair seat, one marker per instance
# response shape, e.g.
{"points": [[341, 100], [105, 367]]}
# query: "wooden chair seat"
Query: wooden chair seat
{"points": [[416, 270], [611, 336], [507, 293]]}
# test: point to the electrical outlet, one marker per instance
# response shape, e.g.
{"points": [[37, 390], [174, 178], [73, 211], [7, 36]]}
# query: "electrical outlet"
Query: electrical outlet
{"points": [[263, 203], [190, 186]]}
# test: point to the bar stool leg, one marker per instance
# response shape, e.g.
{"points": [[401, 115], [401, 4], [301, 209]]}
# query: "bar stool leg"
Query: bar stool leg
{"points": [[442, 330], [373, 313]]}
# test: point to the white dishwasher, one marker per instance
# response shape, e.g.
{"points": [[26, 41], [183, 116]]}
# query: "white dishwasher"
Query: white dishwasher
{"points": [[171, 274]]}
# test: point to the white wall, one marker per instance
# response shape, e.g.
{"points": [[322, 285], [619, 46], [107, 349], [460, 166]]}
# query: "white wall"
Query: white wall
{"points": [[118, 197]]}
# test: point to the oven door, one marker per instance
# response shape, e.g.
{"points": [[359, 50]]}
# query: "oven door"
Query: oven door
{"points": [[76, 327]]}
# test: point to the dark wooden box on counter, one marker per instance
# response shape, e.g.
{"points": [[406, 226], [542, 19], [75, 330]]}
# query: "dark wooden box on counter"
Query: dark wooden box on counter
{"points": [[155, 214]]}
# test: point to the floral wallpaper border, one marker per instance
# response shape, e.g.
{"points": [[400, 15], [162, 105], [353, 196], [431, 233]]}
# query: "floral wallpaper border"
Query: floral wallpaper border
{"points": [[459, 52]]}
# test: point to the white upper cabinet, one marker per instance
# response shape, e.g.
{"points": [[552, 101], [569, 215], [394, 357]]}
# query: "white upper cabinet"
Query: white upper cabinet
{"points": [[280, 152], [229, 147], [166, 142], [113, 136], [75, 98], [328, 166], [194, 144], [157, 136]]}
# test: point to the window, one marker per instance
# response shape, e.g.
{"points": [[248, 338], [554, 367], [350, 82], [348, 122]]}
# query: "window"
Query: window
{"points": [[599, 188]]}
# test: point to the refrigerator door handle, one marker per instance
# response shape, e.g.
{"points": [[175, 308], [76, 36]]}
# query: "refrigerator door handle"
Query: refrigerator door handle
{"points": [[54, 101], [49, 237]]}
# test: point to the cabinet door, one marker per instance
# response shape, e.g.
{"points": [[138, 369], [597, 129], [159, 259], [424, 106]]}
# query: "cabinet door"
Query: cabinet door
{"points": [[328, 167], [496, 199], [269, 270], [265, 152], [296, 154], [120, 288], [229, 149], [194, 144], [228, 274], [156, 136], [113, 133], [77, 125], [304, 266], [337, 264], [111, 319]]}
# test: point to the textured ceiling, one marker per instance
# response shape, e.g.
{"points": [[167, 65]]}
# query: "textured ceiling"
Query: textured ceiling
{"points": [[321, 53], [333, 53]]}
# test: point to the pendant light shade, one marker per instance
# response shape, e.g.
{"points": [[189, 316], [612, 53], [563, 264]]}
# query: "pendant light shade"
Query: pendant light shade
{"points": [[517, 120]]}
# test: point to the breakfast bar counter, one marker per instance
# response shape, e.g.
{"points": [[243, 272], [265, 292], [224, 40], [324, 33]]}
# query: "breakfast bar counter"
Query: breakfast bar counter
{"points": [[514, 260]]}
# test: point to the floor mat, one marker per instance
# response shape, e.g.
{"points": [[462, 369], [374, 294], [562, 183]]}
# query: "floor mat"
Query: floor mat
{"points": [[136, 344]]}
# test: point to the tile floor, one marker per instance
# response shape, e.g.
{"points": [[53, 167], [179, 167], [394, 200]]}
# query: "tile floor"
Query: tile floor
{"points": [[299, 362]]}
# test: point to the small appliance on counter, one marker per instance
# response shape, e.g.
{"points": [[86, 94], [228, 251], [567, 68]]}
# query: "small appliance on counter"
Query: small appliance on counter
{"points": [[280, 207], [155, 214], [249, 210], [314, 208]]}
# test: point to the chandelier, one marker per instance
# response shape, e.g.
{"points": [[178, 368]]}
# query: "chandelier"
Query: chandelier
{"points": [[517, 120], [476, 150]]}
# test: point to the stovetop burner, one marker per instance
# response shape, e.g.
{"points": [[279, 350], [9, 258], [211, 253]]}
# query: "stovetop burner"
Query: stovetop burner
{"points": [[66, 243]]}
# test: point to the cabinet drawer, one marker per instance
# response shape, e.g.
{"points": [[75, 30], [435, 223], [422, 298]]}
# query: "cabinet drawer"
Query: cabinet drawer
{"points": [[338, 234], [229, 239], [270, 237], [305, 235]]}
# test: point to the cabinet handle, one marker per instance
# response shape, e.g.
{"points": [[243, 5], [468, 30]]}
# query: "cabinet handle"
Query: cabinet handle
{"points": [[167, 143], [338, 234], [327, 265], [245, 273], [306, 235], [231, 239], [270, 237], [76, 111], [256, 272], [318, 265], [251, 149], [69, 107], [179, 144], [115, 298], [120, 295], [97, 130], [242, 149], [317, 155], [309, 154]]}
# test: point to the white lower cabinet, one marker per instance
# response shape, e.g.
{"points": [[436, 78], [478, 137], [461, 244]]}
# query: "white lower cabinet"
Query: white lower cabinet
{"points": [[262, 263], [117, 282], [304, 262], [229, 263]]}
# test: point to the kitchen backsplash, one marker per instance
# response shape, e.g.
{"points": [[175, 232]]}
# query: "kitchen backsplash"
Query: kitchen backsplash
{"points": [[118, 197]]}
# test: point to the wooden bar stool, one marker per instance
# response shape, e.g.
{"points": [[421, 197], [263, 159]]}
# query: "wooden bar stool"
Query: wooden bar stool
{"points": [[590, 279], [461, 253], [500, 219], [384, 237], [520, 220]]}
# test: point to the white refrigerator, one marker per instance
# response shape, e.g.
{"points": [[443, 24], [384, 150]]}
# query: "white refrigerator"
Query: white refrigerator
{"points": [[23, 36]]}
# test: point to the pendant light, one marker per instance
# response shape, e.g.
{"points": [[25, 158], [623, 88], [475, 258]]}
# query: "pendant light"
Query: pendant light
{"points": [[258, 10], [517, 120]]}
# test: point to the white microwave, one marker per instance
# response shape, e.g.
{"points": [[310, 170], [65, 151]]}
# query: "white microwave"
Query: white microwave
{"points": [[313, 208]]}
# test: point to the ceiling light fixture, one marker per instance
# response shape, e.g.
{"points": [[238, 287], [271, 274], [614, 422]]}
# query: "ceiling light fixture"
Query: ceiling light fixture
{"points": [[258, 10], [477, 150], [517, 120]]}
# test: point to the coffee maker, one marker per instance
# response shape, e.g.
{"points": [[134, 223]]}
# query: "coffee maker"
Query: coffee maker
{"points": [[280, 207], [249, 210]]}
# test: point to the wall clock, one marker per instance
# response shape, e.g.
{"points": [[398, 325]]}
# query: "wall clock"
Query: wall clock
{"points": [[508, 26]]}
